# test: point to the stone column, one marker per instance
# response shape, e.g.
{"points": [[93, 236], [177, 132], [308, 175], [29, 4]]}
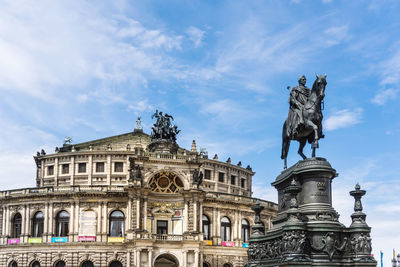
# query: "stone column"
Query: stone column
{"points": [[3, 227], [137, 257], [138, 213], [128, 259], [214, 223], [90, 169], [109, 168], [46, 223], [150, 257], [235, 227], [129, 214], [195, 215], [201, 217], [185, 217], [51, 219], [56, 172], [218, 223], [72, 222], [196, 258], [98, 238], [144, 213], [76, 231], [104, 230], [184, 258], [72, 179], [7, 223], [24, 226], [239, 232]]}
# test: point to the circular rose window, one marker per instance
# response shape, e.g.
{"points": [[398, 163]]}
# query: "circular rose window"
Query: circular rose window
{"points": [[166, 182]]}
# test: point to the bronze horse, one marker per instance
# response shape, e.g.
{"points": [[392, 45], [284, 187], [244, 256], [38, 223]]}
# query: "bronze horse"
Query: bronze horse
{"points": [[311, 130]]}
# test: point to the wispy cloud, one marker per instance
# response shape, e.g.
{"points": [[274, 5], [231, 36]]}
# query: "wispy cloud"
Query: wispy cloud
{"points": [[335, 35], [343, 118], [384, 95], [195, 35]]}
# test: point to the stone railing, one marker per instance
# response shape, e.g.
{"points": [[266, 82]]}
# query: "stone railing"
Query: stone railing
{"points": [[167, 237], [50, 189]]}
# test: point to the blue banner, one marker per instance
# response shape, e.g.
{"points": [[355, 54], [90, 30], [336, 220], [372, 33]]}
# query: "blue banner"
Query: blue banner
{"points": [[59, 239], [381, 258], [245, 245]]}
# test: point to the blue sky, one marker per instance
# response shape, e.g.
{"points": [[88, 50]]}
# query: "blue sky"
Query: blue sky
{"points": [[88, 69]]}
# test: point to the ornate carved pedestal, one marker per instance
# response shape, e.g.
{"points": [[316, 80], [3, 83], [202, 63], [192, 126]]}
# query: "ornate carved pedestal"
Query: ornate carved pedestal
{"points": [[163, 147], [306, 231]]}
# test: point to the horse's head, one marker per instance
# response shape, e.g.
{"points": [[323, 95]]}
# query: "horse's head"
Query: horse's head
{"points": [[319, 85]]}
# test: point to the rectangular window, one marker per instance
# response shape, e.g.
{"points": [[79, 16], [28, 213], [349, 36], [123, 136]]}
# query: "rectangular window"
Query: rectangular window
{"points": [[207, 174], [162, 227], [221, 177], [99, 166], [243, 183], [81, 167], [233, 179], [118, 167], [65, 168], [50, 170]]}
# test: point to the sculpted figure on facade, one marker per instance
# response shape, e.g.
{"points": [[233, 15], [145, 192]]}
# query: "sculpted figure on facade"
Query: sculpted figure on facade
{"points": [[162, 128]]}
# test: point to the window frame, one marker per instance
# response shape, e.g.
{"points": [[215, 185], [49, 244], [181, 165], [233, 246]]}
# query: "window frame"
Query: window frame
{"points": [[16, 225], [221, 177], [207, 174], [100, 165], [62, 224], [84, 169], [206, 223], [65, 168], [37, 225], [233, 179], [50, 173], [226, 235], [117, 165], [118, 222], [245, 231]]}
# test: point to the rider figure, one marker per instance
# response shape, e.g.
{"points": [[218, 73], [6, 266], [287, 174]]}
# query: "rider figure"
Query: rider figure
{"points": [[297, 100]]}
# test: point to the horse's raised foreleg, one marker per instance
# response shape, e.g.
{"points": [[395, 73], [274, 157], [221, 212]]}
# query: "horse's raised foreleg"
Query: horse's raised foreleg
{"points": [[302, 142]]}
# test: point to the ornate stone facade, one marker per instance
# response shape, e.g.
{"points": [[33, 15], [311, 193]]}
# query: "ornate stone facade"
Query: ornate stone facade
{"points": [[112, 202]]}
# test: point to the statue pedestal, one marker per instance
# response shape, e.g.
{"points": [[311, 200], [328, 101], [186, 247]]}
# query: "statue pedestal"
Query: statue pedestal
{"points": [[306, 231], [163, 147]]}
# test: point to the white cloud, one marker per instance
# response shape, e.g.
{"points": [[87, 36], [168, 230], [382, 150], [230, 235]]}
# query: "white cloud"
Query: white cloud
{"points": [[50, 45], [195, 35], [141, 106], [384, 95], [335, 35], [343, 118]]}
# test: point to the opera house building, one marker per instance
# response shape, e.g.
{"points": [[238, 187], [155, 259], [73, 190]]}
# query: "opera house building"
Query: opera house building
{"points": [[131, 200]]}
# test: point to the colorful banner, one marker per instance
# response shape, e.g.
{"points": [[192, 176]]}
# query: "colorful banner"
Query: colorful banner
{"points": [[34, 240], [112, 239], [12, 241], [59, 239], [228, 244], [87, 238], [245, 245], [208, 242]]}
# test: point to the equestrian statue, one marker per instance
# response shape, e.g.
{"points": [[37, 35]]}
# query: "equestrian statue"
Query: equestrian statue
{"points": [[304, 121]]}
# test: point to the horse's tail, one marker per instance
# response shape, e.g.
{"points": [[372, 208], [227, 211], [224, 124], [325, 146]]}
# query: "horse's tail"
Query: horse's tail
{"points": [[285, 141]]}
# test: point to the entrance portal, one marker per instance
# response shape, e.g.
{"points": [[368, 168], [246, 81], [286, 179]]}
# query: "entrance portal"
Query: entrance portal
{"points": [[166, 260]]}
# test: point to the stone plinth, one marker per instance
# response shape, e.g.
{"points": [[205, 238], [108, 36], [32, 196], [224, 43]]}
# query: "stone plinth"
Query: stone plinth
{"points": [[163, 147], [306, 231]]}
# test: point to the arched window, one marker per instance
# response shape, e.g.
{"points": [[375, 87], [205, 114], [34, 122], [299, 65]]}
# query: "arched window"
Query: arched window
{"points": [[115, 264], [206, 227], [87, 264], [206, 264], [13, 264], [60, 264], [227, 265], [16, 226], [245, 230], [37, 224], [62, 224], [117, 219], [166, 182], [35, 264], [225, 229]]}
